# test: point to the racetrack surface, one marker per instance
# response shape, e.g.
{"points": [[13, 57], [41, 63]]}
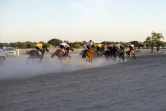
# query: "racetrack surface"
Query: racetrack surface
{"points": [[136, 85]]}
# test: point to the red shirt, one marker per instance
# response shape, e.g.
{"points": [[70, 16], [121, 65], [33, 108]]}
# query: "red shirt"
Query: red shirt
{"points": [[110, 46]]}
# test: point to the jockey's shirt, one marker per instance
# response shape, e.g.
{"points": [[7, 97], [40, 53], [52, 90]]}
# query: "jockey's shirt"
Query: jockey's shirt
{"points": [[64, 44], [39, 45], [132, 45], [118, 45], [99, 45], [110, 46]]}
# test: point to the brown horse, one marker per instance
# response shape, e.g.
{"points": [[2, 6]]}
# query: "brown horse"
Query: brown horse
{"points": [[60, 53], [35, 54], [89, 53], [130, 53]]}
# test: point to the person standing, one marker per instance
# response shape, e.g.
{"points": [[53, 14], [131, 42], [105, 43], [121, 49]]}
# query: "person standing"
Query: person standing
{"points": [[18, 52]]}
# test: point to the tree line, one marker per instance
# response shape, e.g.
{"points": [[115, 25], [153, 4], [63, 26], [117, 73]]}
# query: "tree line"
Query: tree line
{"points": [[150, 41]]}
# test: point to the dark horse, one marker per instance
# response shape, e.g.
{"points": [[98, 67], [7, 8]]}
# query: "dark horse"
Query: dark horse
{"points": [[89, 53], [35, 54], [114, 53], [99, 52], [60, 53]]}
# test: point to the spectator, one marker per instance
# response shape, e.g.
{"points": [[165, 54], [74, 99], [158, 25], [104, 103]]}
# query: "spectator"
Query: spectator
{"points": [[18, 52]]}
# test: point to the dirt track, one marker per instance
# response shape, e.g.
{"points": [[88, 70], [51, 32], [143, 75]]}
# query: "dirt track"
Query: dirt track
{"points": [[138, 85]]}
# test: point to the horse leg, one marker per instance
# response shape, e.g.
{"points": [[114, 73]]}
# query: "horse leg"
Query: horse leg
{"points": [[86, 58], [123, 57], [134, 56], [61, 61], [40, 60], [60, 58], [91, 59], [120, 58], [28, 60], [114, 59], [128, 58]]}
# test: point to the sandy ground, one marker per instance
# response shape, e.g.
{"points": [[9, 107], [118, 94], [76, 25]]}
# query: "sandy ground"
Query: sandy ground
{"points": [[136, 85]]}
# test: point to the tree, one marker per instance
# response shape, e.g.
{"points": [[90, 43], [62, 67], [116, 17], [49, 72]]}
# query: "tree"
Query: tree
{"points": [[140, 44], [84, 42], [135, 43], [55, 42], [76, 45], [106, 42], [153, 39]]}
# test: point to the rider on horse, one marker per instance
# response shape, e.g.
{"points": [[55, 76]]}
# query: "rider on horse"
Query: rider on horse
{"points": [[99, 47], [63, 46], [118, 47], [131, 47], [110, 47], [90, 43], [39, 47]]}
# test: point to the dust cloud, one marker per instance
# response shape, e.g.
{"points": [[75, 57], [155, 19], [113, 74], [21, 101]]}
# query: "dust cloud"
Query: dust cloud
{"points": [[18, 67]]}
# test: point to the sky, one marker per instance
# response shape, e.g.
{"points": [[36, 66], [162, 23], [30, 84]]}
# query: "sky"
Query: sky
{"points": [[79, 20]]}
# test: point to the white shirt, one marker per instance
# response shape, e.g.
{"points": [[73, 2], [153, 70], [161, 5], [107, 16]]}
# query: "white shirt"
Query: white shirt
{"points": [[132, 45], [64, 44]]}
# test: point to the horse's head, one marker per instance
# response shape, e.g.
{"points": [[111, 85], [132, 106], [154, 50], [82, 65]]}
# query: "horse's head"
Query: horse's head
{"points": [[45, 48], [94, 48], [70, 48]]}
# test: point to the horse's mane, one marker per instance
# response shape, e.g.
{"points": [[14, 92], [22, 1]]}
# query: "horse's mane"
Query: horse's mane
{"points": [[93, 45]]}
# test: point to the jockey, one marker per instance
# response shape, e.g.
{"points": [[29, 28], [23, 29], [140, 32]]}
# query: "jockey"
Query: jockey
{"points": [[99, 46], [90, 43], [122, 48], [63, 46], [131, 47], [118, 47], [110, 48], [39, 47]]}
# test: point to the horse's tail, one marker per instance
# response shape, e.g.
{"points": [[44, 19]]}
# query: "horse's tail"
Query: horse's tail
{"points": [[52, 56], [84, 54]]}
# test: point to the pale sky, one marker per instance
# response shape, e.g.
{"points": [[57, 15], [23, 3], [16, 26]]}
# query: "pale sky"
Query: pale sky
{"points": [[78, 20]]}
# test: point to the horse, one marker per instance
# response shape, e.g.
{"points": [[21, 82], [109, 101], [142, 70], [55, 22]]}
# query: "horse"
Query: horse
{"points": [[118, 54], [89, 53], [35, 54], [108, 53], [130, 53], [114, 53], [99, 53], [61, 55]]}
